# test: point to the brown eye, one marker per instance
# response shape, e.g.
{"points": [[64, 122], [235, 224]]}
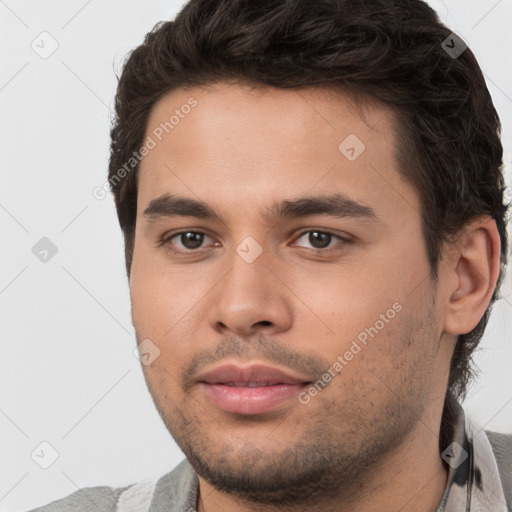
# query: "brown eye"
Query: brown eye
{"points": [[188, 240], [319, 240], [315, 239], [191, 240]]}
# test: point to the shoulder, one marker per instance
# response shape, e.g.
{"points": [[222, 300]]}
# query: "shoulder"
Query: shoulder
{"points": [[501, 445], [502, 448], [176, 487], [103, 498]]}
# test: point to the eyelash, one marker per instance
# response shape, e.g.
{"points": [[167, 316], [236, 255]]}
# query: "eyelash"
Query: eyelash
{"points": [[166, 241]]}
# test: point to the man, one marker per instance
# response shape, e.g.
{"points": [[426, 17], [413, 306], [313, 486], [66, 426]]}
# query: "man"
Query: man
{"points": [[312, 203]]}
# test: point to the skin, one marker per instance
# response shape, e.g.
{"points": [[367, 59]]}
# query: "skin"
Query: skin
{"points": [[369, 440]]}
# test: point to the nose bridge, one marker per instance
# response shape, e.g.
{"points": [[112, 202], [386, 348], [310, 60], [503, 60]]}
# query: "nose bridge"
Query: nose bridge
{"points": [[247, 281], [250, 295]]}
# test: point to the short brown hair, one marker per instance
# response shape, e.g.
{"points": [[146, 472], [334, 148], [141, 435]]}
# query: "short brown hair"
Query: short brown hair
{"points": [[448, 141]]}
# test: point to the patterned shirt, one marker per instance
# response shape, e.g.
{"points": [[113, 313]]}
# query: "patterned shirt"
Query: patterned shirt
{"points": [[474, 481]]}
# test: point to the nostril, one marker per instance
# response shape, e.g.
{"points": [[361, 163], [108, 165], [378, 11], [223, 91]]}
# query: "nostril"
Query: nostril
{"points": [[265, 322]]}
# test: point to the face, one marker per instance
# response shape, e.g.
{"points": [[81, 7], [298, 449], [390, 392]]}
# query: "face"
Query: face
{"points": [[280, 270]]}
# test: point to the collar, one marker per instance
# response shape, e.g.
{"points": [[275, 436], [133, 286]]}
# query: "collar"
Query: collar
{"points": [[473, 483]]}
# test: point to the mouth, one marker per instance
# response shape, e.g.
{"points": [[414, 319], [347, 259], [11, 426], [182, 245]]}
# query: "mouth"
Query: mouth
{"points": [[250, 390], [244, 384]]}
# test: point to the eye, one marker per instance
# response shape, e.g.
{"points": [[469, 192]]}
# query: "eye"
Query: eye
{"points": [[187, 240], [319, 239]]}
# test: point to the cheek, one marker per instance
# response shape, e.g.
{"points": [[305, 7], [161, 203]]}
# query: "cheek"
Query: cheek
{"points": [[346, 301], [375, 320], [164, 310], [159, 297], [146, 299], [382, 362]]}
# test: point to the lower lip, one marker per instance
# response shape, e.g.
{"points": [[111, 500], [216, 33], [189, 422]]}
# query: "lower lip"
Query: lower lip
{"points": [[245, 400]]}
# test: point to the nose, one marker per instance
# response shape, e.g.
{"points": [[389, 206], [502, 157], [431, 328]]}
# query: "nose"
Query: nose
{"points": [[251, 298]]}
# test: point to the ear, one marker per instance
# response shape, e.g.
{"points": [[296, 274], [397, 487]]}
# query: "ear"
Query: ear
{"points": [[472, 268]]}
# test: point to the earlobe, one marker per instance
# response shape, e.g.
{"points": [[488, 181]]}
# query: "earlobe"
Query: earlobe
{"points": [[475, 266]]}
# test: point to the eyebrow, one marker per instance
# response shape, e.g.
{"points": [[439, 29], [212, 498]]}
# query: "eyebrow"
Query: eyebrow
{"points": [[335, 205]]}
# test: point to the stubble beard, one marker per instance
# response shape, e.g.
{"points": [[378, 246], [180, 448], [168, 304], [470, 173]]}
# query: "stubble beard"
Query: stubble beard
{"points": [[336, 452]]}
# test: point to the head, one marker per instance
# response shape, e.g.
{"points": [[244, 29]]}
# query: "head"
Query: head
{"points": [[244, 124]]}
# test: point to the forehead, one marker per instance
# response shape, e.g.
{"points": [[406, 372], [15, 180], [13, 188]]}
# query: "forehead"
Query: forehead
{"points": [[262, 112], [241, 144]]}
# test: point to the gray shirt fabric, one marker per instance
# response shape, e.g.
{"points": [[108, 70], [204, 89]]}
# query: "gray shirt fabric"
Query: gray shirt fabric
{"points": [[479, 467]]}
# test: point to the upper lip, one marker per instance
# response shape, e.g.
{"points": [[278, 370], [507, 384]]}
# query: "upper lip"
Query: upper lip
{"points": [[239, 375]]}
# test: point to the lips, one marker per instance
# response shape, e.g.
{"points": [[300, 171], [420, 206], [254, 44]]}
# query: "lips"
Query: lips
{"points": [[257, 374], [253, 389]]}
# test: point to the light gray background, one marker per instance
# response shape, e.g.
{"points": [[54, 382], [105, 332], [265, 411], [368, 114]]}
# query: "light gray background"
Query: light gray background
{"points": [[67, 369]]}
